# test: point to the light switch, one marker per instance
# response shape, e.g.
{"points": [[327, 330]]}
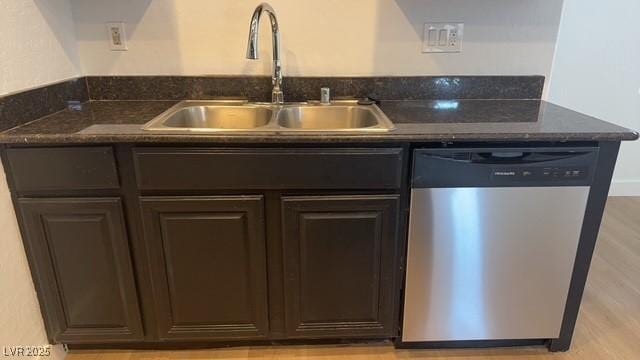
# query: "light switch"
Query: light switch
{"points": [[432, 37], [442, 37]]}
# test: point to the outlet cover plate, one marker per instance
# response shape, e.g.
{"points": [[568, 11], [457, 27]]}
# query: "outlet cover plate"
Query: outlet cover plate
{"points": [[116, 36], [442, 37]]}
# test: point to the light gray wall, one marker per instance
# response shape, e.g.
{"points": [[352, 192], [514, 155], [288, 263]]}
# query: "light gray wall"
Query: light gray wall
{"points": [[597, 71], [329, 37], [38, 47], [38, 44]]}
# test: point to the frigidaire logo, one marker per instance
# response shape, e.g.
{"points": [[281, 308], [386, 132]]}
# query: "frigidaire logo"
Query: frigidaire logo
{"points": [[505, 173]]}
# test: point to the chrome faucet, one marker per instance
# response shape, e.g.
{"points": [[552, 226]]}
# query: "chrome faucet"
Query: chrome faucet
{"points": [[277, 96]]}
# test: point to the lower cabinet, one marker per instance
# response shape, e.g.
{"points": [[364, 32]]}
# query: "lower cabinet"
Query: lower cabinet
{"points": [[81, 262], [209, 274], [330, 271], [208, 266], [339, 264]]}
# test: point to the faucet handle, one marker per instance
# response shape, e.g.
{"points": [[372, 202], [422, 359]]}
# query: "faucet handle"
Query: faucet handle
{"points": [[325, 95]]}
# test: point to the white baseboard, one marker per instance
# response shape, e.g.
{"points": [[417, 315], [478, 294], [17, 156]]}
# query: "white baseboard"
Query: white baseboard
{"points": [[625, 188], [58, 352]]}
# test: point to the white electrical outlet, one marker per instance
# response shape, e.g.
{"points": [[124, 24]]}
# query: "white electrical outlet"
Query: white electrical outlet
{"points": [[442, 37], [116, 36]]}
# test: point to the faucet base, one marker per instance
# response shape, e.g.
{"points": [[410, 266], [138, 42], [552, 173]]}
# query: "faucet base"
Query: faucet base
{"points": [[277, 96]]}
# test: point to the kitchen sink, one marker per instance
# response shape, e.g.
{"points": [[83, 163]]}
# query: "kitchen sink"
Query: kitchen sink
{"points": [[331, 117], [220, 117], [244, 117], [212, 117]]}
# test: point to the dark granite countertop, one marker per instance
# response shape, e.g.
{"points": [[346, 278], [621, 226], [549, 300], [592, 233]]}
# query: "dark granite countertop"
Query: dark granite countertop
{"points": [[415, 120]]}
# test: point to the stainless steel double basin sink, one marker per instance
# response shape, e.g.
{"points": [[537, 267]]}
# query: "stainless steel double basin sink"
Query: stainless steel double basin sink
{"points": [[244, 117]]}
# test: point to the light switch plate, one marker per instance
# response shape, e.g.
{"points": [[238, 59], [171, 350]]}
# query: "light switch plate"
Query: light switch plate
{"points": [[442, 37], [116, 36]]}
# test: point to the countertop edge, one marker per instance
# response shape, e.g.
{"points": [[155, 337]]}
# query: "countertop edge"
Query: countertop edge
{"points": [[328, 139]]}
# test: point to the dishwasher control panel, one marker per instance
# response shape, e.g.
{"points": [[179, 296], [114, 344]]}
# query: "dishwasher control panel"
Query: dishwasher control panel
{"points": [[503, 167], [541, 173]]}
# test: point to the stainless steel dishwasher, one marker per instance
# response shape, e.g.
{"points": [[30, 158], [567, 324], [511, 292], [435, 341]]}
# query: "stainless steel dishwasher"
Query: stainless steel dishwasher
{"points": [[493, 235]]}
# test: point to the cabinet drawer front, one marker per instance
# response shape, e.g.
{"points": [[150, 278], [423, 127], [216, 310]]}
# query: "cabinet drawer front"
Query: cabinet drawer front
{"points": [[81, 263], [193, 169], [77, 168]]}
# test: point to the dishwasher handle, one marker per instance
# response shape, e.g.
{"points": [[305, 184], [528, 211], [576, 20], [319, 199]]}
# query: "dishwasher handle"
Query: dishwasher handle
{"points": [[503, 156]]}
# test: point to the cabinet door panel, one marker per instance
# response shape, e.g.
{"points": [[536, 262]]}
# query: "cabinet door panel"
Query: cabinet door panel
{"points": [[208, 266], [340, 263], [83, 267]]}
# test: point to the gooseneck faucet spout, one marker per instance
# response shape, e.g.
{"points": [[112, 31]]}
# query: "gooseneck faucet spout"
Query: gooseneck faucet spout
{"points": [[277, 96]]}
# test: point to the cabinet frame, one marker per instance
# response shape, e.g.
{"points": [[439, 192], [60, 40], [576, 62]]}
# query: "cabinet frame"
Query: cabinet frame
{"points": [[131, 196]]}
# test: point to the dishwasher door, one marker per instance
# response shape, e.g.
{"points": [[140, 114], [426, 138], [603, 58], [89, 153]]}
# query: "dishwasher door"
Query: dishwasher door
{"points": [[490, 263], [493, 236]]}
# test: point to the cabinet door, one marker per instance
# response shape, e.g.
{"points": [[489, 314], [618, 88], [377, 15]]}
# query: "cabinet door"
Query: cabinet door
{"points": [[82, 266], [208, 265], [339, 257]]}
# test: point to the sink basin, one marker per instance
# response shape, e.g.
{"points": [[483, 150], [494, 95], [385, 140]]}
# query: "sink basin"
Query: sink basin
{"points": [[327, 117], [220, 117], [212, 116], [244, 117]]}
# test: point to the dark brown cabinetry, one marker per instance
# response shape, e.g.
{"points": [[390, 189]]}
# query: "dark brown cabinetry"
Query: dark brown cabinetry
{"points": [[62, 168], [284, 169], [199, 244], [81, 263], [208, 262], [339, 258]]}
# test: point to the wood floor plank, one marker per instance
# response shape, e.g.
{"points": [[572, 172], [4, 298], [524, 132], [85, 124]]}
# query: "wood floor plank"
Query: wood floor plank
{"points": [[608, 327]]}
